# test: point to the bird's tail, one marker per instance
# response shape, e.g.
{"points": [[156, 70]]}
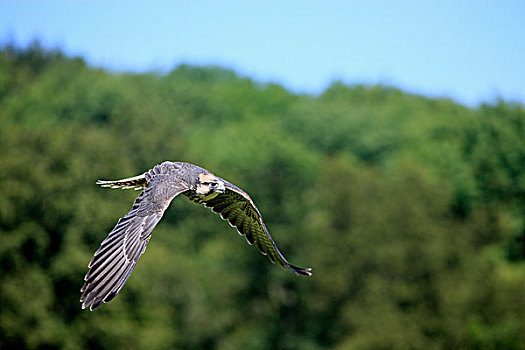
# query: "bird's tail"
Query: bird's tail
{"points": [[137, 183]]}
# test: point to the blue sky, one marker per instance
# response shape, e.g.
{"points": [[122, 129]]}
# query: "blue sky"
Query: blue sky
{"points": [[471, 51]]}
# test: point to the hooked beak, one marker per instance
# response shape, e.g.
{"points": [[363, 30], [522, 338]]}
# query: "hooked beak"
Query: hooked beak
{"points": [[220, 188]]}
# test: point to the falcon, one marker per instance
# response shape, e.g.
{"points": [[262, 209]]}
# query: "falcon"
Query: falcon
{"points": [[120, 251]]}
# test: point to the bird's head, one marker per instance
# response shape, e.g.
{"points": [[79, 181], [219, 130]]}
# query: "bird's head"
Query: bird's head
{"points": [[209, 186]]}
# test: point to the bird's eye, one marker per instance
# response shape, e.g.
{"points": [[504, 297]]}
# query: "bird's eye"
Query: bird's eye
{"points": [[213, 184]]}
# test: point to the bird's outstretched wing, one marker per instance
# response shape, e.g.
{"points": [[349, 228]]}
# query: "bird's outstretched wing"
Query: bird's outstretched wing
{"points": [[120, 251], [236, 206]]}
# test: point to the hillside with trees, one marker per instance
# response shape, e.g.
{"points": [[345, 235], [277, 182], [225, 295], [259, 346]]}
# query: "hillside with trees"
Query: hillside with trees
{"points": [[410, 211]]}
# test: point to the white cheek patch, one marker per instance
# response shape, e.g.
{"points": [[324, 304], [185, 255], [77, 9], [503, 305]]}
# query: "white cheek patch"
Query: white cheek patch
{"points": [[202, 189]]}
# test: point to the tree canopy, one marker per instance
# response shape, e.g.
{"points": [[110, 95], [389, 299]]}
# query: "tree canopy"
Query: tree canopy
{"points": [[410, 210]]}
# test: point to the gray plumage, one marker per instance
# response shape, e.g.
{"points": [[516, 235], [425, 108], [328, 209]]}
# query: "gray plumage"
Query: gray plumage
{"points": [[120, 251]]}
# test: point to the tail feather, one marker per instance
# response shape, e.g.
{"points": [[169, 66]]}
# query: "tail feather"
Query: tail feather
{"points": [[137, 183]]}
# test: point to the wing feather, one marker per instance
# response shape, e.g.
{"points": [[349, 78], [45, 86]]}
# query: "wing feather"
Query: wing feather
{"points": [[247, 229], [119, 253], [235, 206]]}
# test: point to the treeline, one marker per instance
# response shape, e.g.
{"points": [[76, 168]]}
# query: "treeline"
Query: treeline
{"points": [[410, 210]]}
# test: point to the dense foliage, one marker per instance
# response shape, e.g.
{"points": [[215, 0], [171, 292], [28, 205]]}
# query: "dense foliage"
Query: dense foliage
{"points": [[410, 210]]}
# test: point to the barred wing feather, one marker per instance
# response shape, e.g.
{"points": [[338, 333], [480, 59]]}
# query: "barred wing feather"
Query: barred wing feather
{"points": [[236, 206]]}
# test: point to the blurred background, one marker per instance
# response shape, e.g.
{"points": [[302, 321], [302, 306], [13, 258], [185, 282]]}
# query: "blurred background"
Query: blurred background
{"points": [[382, 142]]}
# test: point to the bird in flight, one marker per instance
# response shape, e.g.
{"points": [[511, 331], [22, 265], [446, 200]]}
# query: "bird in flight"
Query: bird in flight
{"points": [[120, 251]]}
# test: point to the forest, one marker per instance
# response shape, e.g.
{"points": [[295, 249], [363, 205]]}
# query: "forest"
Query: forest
{"points": [[409, 209]]}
